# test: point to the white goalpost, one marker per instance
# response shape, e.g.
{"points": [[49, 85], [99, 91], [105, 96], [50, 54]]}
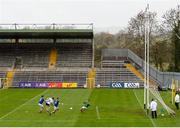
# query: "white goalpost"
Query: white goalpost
{"points": [[149, 88]]}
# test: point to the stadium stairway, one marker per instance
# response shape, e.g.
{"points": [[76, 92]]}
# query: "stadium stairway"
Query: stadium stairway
{"points": [[53, 58], [91, 78], [9, 77], [131, 68]]}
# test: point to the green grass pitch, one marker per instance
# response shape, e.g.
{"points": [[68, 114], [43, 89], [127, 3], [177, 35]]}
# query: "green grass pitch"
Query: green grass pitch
{"points": [[109, 107]]}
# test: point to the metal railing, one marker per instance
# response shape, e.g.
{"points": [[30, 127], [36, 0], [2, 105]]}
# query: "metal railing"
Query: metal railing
{"points": [[164, 79], [52, 26]]}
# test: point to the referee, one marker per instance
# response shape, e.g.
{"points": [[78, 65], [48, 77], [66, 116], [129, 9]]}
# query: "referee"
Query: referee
{"points": [[153, 107]]}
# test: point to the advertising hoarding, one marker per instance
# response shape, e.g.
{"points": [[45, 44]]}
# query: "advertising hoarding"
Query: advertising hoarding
{"points": [[124, 85]]}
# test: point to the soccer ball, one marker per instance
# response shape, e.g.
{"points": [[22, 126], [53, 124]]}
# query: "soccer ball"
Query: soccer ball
{"points": [[70, 108]]}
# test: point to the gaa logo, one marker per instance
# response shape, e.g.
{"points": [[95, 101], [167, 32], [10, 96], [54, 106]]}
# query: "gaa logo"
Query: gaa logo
{"points": [[117, 85], [124, 85]]}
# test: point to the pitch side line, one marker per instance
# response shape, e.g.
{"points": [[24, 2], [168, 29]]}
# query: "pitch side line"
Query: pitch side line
{"points": [[9, 113], [153, 123], [97, 113]]}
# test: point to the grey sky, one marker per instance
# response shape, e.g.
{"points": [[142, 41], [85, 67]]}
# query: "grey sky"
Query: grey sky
{"points": [[103, 13]]}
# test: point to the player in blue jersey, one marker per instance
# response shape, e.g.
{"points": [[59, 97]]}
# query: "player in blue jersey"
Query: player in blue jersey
{"points": [[40, 103], [56, 106]]}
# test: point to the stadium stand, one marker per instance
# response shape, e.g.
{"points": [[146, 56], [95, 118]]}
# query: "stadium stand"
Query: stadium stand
{"points": [[114, 62], [6, 57], [105, 77], [37, 55], [2, 74], [63, 75], [43, 54], [74, 55], [114, 68], [25, 55], [65, 55]]}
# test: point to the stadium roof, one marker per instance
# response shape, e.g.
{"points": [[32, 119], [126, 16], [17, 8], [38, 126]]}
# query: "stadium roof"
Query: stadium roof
{"points": [[14, 31]]}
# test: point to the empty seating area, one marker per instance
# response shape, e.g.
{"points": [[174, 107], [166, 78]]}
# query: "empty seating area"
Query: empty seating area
{"points": [[29, 55], [37, 55], [2, 74], [34, 56], [113, 62], [113, 69], [6, 57], [51, 76], [105, 76], [34, 60], [74, 55], [47, 54]]}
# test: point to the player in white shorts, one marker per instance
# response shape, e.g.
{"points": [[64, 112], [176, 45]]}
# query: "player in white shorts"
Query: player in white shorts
{"points": [[49, 102]]}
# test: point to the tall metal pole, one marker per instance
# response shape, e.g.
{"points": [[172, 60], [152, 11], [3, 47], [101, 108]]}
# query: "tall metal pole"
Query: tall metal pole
{"points": [[148, 29], [178, 13], [177, 34], [146, 59], [145, 67]]}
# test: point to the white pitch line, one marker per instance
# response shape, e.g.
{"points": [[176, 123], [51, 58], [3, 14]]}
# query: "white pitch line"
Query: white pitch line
{"points": [[9, 113], [153, 123], [97, 113]]}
